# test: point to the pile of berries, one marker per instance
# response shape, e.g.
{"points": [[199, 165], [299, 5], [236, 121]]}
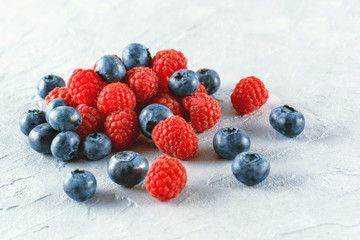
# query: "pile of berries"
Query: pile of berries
{"points": [[105, 108]]}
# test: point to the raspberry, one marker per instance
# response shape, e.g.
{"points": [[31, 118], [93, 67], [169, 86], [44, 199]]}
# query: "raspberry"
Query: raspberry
{"points": [[249, 95], [122, 128], [203, 111], [166, 178], [63, 93], [201, 89], [165, 63], [116, 97], [85, 86], [92, 121], [144, 83], [168, 101], [175, 137]]}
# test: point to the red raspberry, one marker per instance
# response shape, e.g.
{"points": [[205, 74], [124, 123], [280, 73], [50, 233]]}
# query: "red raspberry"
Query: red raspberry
{"points": [[203, 111], [166, 178], [116, 97], [122, 128], [175, 137], [144, 83], [165, 63], [85, 86], [201, 89], [249, 95], [63, 93], [168, 101], [92, 121]]}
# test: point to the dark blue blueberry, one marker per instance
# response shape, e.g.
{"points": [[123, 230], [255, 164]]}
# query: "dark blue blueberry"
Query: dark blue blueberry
{"points": [[65, 146], [151, 115], [183, 83], [250, 168], [96, 146], [287, 121], [110, 69], [230, 141], [80, 185], [135, 55], [65, 118], [127, 168], [31, 119], [48, 83], [40, 137], [210, 79], [57, 102]]}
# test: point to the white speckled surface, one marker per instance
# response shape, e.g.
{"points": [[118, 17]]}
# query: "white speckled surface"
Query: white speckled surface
{"points": [[307, 53]]}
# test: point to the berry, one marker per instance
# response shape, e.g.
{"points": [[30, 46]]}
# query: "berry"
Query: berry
{"points": [[230, 141], [250, 168], [210, 79], [80, 185], [151, 115], [143, 82], [201, 89], [31, 119], [249, 95], [40, 137], [122, 128], [65, 118], [183, 83], [175, 137], [96, 146], [135, 55], [92, 120], [168, 101], [63, 93], [116, 97], [166, 178], [65, 146], [48, 83], [110, 68], [165, 63], [57, 102], [127, 168], [287, 121]]}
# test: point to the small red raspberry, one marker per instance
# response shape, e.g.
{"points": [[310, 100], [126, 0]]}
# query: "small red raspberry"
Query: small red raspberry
{"points": [[92, 121], [63, 93], [116, 97], [166, 178], [85, 86], [168, 101], [122, 128], [249, 95], [144, 83], [201, 89], [165, 63], [175, 137]]}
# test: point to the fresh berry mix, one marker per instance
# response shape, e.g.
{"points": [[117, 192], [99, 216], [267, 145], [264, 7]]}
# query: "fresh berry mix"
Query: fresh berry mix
{"points": [[48, 83], [183, 83], [110, 69], [168, 101], [92, 120], [65, 146], [63, 93], [127, 168], [150, 116], [250, 168], [31, 119], [166, 178], [136, 55], [40, 137], [80, 185], [230, 141], [65, 118], [209, 79], [287, 121], [57, 102], [96, 146]]}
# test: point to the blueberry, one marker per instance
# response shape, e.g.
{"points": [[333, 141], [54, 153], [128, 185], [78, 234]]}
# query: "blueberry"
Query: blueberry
{"points": [[183, 83], [127, 168], [31, 119], [65, 146], [250, 168], [110, 69], [210, 79], [287, 121], [230, 141], [65, 118], [151, 115], [48, 83], [40, 137], [80, 185], [57, 102], [135, 55], [96, 146]]}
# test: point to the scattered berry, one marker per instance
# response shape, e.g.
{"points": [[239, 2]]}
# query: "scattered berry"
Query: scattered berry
{"points": [[63, 93], [135, 55], [96, 146], [110, 68], [57, 102], [31, 119], [48, 83], [183, 83], [287, 121], [65, 118], [65, 146], [168, 101], [210, 79], [80, 185], [40, 137], [92, 121]]}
